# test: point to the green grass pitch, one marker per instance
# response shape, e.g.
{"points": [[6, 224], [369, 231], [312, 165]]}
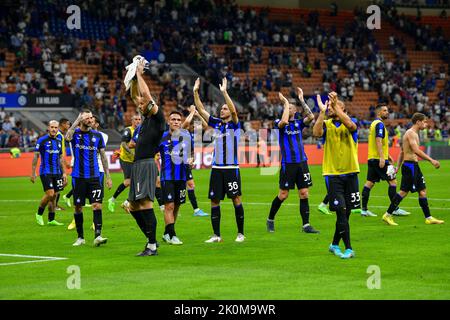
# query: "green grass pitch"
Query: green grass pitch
{"points": [[413, 258]]}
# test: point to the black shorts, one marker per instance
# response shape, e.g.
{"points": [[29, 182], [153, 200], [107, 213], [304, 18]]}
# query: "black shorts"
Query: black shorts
{"points": [[50, 181], [292, 174], [412, 177], [126, 168], [91, 188], [375, 173], [224, 181], [189, 175], [143, 180], [173, 191], [343, 191]]}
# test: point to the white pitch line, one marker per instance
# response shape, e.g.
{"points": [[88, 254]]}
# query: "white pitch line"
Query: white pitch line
{"points": [[41, 259], [316, 204], [414, 198]]}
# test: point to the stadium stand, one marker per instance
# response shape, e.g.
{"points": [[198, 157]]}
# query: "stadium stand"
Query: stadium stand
{"points": [[259, 50]]}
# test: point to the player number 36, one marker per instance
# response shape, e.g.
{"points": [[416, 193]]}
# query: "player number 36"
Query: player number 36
{"points": [[232, 186]]}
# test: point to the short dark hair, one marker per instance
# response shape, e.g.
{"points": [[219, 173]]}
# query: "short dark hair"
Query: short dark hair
{"points": [[418, 117], [176, 112], [97, 119], [86, 110], [63, 121], [379, 106]]}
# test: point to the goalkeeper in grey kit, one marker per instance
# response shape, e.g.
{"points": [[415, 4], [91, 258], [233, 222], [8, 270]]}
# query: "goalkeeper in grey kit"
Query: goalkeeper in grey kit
{"points": [[379, 161]]}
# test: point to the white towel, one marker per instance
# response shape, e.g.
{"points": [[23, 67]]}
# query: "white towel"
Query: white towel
{"points": [[131, 71]]}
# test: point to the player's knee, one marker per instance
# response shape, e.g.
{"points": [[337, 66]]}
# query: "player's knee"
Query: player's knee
{"points": [[191, 185], [303, 193], [50, 194], [126, 182], [96, 206], [369, 184], [237, 200], [393, 183], [215, 203], [169, 206], [283, 195], [422, 193]]}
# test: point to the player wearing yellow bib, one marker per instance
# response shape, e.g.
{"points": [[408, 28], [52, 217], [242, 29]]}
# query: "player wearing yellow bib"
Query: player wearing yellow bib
{"points": [[380, 164], [126, 159], [340, 167]]}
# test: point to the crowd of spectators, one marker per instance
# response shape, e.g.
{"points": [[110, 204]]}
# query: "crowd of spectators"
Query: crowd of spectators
{"points": [[13, 134]]}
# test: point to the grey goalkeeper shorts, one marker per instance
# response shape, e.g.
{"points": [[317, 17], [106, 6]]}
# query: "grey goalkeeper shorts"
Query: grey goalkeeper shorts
{"points": [[144, 173]]}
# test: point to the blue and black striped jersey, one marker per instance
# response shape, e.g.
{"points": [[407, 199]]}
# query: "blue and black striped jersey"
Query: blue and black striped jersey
{"points": [[291, 141], [175, 150], [226, 142], [50, 150], [85, 146]]}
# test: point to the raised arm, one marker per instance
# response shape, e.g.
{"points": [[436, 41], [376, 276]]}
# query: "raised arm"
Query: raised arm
{"points": [[146, 98], [198, 103], [204, 123], [70, 132], [228, 101], [307, 113], [318, 126], [285, 116], [338, 107], [189, 118]]}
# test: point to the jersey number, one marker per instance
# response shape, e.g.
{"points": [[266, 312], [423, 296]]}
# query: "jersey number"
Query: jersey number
{"points": [[232, 186], [307, 176], [182, 194], [355, 197], [96, 193], [59, 183]]}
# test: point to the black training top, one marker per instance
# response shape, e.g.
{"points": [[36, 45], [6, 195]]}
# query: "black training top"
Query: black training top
{"points": [[149, 136]]}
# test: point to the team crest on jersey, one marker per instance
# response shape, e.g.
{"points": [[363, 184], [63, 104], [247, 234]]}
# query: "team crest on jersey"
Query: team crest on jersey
{"points": [[296, 125], [59, 145], [78, 200]]}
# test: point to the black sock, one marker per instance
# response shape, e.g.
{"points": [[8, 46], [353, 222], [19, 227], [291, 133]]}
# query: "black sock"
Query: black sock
{"points": [[119, 190], [57, 199], [304, 210], [139, 220], [193, 199], [425, 208], [343, 227], [70, 193], [215, 220], [365, 197], [51, 216], [171, 230], [98, 222], [394, 203], [79, 223], [276, 204], [326, 199], [337, 236], [392, 191], [40, 211], [239, 213], [166, 229], [158, 196], [150, 224]]}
